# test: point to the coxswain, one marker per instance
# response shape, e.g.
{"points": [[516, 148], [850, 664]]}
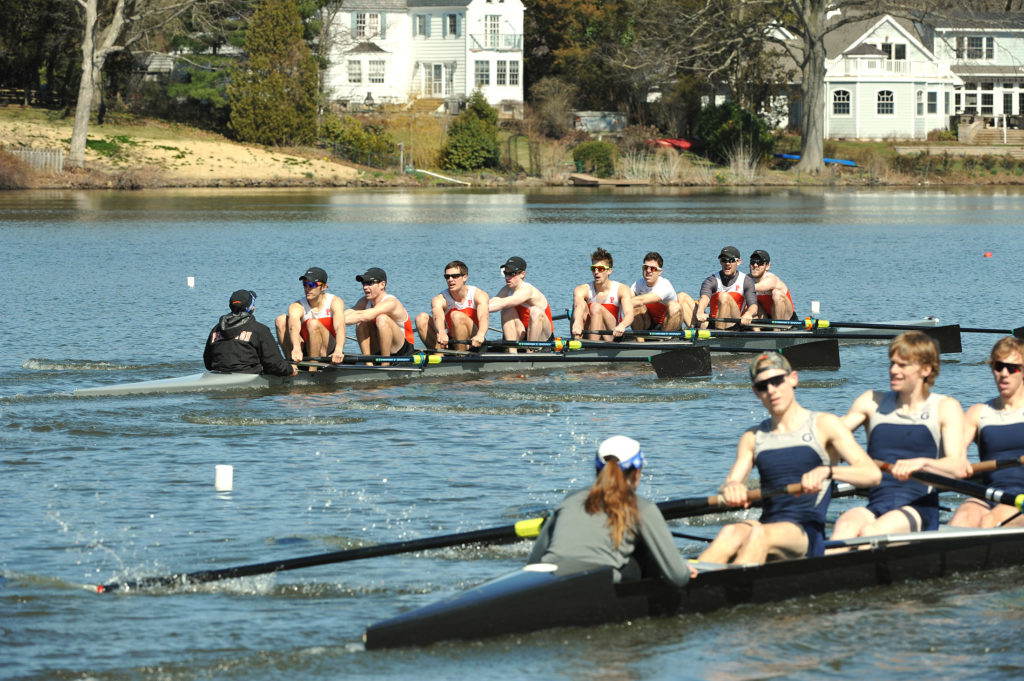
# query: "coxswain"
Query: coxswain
{"points": [[773, 298], [314, 325], [729, 292], [460, 312], [655, 301], [240, 344], [603, 304], [604, 525], [793, 445], [383, 326], [913, 429], [525, 312], [997, 427]]}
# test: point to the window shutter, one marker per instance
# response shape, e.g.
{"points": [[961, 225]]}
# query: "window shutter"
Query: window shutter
{"points": [[415, 20], [458, 25], [444, 25], [383, 25], [352, 24], [427, 19]]}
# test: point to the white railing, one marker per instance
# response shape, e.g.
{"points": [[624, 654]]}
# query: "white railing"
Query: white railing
{"points": [[41, 160], [888, 67], [502, 42]]}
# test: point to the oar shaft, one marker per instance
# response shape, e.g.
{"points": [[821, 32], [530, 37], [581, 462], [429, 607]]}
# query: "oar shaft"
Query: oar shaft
{"points": [[971, 489]]}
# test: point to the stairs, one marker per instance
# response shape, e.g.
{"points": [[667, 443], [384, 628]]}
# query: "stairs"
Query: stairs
{"points": [[993, 136], [425, 105]]}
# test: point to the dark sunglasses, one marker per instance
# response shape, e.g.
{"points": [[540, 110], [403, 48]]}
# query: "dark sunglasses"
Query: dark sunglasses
{"points": [[1010, 368], [776, 381], [310, 284], [452, 276], [758, 263], [369, 282], [725, 261]]}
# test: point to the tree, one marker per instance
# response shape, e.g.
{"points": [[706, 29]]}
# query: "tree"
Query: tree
{"points": [[274, 90], [472, 140]]}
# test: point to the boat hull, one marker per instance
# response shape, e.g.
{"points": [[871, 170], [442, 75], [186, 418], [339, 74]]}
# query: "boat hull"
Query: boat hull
{"points": [[526, 601]]}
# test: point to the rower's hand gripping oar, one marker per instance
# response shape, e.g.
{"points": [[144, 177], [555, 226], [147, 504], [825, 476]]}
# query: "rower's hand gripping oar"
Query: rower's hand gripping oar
{"points": [[524, 529], [965, 487]]}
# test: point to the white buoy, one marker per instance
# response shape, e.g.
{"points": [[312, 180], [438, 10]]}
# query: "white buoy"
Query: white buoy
{"points": [[815, 307], [191, 281], [223, 479]]}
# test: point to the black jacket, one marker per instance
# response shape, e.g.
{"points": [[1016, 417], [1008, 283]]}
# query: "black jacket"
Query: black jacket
{"points": [[240, 344]]}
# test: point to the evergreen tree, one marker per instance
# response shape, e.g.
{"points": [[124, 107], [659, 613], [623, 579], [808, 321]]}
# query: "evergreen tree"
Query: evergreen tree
{"points": [[273, 91], [472, 140]]}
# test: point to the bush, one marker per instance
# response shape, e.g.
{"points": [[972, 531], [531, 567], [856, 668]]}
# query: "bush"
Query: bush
{"points": [[552, 105], [989, 162], [635, 137], [360, 141], [472, 140], [727, 131], [596, 158], [14, 173]]}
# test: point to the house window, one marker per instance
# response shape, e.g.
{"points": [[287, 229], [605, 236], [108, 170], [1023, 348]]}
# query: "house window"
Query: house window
{"points": [[1007, 103], [886, 103], [421, 25], [355, 71], [451, 24], [841, 103], [513, 73], [987, 103], [933, 102], [376, 71], [482, 73], [920, 103], [367, 24], [492, 24], [500, 72], [894, 50], [946, 103], [979, 47]]}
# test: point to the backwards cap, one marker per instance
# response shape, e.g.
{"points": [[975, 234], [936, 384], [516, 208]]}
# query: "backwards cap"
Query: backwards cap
{"points": [[625, 449], [769, 360]]}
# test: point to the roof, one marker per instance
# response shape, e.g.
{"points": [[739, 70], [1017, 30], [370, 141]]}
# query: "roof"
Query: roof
{"points": [[438, 3], [979, 70], [363, 48], [376, 5], [966, 21], [865, 50]]}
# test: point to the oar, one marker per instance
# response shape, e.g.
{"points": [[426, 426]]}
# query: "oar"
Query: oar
{"points": [[558, 344], [947, 337], [524, 529], [996, 464], [971, 489], [811, 323]]}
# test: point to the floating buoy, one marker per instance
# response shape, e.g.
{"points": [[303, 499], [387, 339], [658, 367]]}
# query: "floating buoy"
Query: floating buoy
{"points": [[190, 282], [988, 254], [223, 480]]}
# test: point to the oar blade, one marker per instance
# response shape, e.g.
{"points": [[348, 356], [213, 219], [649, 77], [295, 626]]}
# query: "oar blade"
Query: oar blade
{"points": [[683, 363], [822, 354], [947, 337]]}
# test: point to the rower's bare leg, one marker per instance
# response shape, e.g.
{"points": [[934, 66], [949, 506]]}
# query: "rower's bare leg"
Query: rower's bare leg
{"points": [[389, 334], [462, 329], [366, 336], [641, 319], [599, 319], [512, 328], [774, 540], [673, 320], [998, 515], [728, 542], [849, 525], [425, 328], [971, 513], [281, 324], [319, 340], [687, 308], [540, 328], [781, 307], [727, 308]]}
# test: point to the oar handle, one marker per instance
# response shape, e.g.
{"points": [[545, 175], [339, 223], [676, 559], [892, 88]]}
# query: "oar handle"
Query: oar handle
{"points": [[996, 464], [965, 487]]}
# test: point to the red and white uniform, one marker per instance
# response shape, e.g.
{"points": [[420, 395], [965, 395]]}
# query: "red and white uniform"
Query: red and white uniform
{"points": [[764, 301], [323, 315], [524, 314], [736, 291], [609, 300], [408, 322], [665, 291], [466, 307]]}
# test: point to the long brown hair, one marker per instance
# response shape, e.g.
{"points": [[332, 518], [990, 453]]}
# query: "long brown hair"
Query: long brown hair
{"points": [[613, 492]]}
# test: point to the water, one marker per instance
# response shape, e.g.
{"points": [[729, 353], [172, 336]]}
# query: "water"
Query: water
{"points": [[107, 489]]}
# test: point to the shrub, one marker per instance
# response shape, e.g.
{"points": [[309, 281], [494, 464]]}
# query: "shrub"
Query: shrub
{"points": [[727, 130], [989, 162], [14, 173], [596, 158], [635, 137], [472, 140], [552, 105], [359, 141]]}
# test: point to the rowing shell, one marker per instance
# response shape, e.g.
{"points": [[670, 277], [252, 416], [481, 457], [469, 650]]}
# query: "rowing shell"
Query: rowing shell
{"points": [[534, 598]]}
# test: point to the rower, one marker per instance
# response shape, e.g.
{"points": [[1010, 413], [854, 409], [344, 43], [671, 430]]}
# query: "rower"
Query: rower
{"points": [[240, 344], [604, 524], [455, 311], [773, 298], [602, 305], [525, 313], [913, 429], [655, 304], [792, 445], [997, 427], [313, 324], [383, 326], [729, 292]]}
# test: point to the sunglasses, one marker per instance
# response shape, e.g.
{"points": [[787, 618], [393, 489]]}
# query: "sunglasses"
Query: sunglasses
{"points": [[648, 268], [776, 381], [599, 268], [455, 275], [511, 273], [726, 261], [310, 284], [1010, 368], [370, 282], [757, 263]]}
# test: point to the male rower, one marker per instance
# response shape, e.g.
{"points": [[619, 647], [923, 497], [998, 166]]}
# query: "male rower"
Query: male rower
{"points": [[793, 445], [460, 312], [314, 325], [655, 303], [525, 313], [773, 298], [997, 427], [240, 344], [383, 326], [913, 429], [729, 292], [602, 305]]}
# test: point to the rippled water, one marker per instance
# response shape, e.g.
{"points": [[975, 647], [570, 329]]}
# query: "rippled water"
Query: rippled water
{"points": [[104, 489]]}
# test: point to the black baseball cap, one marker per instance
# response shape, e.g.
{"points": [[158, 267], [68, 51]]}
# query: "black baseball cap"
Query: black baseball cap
{"points": [[760, 255], [242, 300], [372, 275], [514, 265], [730, 252], [314, 274]]}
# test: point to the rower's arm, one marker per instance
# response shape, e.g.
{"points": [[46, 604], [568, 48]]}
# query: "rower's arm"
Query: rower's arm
{"points": [[295, 331], [734, 490], [861, 471], [338, 317], [626, 305], [437, 311], [368, 314], [517, 297], [861, 408], [954, 450], [483, 316], [579, 309]]}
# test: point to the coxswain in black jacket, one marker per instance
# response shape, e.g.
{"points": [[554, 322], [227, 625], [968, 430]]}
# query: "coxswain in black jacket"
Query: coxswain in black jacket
{"points": [[240, 344]]}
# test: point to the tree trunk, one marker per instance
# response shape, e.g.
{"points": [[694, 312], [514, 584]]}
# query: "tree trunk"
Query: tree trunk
{"points": [[83, 107], [813, 87]]}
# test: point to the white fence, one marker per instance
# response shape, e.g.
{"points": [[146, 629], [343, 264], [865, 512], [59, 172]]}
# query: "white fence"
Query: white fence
{"points": [[41, 160]]}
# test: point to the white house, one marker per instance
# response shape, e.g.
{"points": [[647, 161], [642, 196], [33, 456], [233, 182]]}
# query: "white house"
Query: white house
{"points": [[398, 51]]}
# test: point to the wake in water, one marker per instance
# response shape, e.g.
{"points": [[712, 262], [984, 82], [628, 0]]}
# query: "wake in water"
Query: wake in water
{"points": [[43, 364]]}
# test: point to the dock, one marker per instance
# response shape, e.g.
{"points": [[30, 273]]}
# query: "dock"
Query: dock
{"points": [[585, 180]]}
